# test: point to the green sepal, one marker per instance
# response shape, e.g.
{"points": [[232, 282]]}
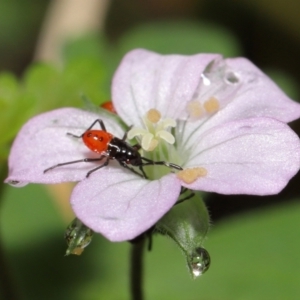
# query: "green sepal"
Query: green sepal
{"points": [[187, 223], [97, 109], [78, 236]]}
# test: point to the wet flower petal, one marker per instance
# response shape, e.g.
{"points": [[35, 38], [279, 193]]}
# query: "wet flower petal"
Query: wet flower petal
{"points": [[43, 142], [120, 205], [253, 156], [146, 80], [259, 95]]}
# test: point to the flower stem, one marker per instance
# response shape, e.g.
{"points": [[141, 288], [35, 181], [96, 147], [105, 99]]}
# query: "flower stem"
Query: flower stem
{"points": [[136, 271], [7, 284]]}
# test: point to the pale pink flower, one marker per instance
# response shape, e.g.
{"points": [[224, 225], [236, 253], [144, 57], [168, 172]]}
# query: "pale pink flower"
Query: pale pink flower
{"points": [[222, 120]]}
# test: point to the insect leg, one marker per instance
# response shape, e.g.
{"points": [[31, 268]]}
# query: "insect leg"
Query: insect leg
{"points": [[123, 164], [125, 134], [74, 162], [137, 146], [162, 163], [93, 124], [97, 168], [192, 194]]}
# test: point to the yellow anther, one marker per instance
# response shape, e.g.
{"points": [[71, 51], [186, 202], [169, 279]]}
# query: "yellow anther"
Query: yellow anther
{"points": [[212, 105], [190, 175], [153, 115], [195, 109]]}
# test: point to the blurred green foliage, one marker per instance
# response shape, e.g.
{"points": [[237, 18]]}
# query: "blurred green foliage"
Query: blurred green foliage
{"points": [[184, 37], [45, 87], [254, 256], [20, 24]]}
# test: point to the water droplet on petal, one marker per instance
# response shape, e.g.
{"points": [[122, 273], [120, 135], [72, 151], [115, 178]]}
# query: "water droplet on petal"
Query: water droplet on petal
{"points": [[199, 262], [205, 80], [16, 183], [231, 78]]}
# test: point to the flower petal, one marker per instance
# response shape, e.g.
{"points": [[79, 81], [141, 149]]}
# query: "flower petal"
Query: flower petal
{"points": [[254, 156], [249, 94], [259, 95], [43, 142], [226, 89], [146, 80], [121, 205]]}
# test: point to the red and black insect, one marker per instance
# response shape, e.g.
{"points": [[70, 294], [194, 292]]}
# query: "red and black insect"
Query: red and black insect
{"points": [[112, 148]]}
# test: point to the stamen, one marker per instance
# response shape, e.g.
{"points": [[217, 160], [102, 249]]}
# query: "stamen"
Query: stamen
{"points": [[146, 141], [211, 105], [195, 109], [153, 145], [154, 131], [191, 175], [165, 135], [153, 115]]}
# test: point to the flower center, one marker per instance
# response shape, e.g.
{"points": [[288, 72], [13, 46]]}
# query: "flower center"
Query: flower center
{"points": [[157, 141], [155, 131]]}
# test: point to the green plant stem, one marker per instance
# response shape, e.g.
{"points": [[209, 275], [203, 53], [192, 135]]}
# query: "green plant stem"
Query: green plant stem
{"points": [[136, 271], [7, 287]]}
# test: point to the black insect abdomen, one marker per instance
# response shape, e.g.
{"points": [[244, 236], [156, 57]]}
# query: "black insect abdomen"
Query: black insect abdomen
{"points": [[123, 152]]}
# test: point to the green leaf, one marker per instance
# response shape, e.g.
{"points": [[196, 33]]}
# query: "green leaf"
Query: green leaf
{"points": [[14, 109], [87, 76], [187, 223], [9, 89], [93, 47], [51, 87]]}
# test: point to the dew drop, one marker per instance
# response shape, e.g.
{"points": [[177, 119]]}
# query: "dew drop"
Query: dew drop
{"points": [[78, 236], [210, 70], [205, 79], [231, 78], [199, 262], [16, 183], [13, 182]]}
